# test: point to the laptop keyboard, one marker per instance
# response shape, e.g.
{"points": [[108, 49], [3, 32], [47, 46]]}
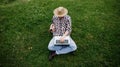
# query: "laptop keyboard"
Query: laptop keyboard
{"points": [[58, 41]]}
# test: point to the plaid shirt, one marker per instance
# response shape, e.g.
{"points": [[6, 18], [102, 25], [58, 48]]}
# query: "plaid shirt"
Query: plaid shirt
{"points": [[61, 25]]}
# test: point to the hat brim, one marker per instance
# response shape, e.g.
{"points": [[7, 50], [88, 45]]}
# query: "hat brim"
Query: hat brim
{"points": [[62, 15]]}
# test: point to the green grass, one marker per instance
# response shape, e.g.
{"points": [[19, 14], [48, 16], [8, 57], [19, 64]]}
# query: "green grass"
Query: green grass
{"points": [[24, 33]]}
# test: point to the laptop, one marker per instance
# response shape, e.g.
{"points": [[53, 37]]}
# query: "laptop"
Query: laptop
{"points": [[57, 40]]}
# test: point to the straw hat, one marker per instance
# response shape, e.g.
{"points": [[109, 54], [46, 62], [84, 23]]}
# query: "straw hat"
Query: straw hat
{"points": [[60, 12]]}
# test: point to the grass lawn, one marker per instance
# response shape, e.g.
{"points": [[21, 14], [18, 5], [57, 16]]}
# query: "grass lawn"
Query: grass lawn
{"points": [[24, 33]]}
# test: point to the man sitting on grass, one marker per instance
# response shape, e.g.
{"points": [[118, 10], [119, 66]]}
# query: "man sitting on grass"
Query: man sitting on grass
{"points": [[61, 26]]}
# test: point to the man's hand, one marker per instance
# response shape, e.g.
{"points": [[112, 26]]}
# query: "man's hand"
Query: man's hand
{"points": [[62, 39], [50, 31], [52, 28]]}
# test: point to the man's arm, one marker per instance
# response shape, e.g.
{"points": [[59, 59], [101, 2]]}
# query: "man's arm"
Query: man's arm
{"points": [[65, 34], [52, 27], [68, 31], [63, 37]]}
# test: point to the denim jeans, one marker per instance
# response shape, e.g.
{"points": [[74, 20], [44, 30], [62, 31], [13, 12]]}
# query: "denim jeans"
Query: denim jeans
{"points": [[62, 49]]}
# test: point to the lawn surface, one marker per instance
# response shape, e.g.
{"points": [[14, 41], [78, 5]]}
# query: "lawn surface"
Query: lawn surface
{"points": [[24, 33]]}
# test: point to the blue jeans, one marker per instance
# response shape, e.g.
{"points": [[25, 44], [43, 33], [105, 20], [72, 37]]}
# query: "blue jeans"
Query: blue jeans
{"points": [[62, 49]]}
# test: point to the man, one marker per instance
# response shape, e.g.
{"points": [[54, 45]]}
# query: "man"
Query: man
{"points": [[61, 26]]}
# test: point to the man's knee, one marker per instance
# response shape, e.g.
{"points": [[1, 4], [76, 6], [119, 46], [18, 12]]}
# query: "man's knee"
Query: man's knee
{"points": [[74, 48], [50, 47]]}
